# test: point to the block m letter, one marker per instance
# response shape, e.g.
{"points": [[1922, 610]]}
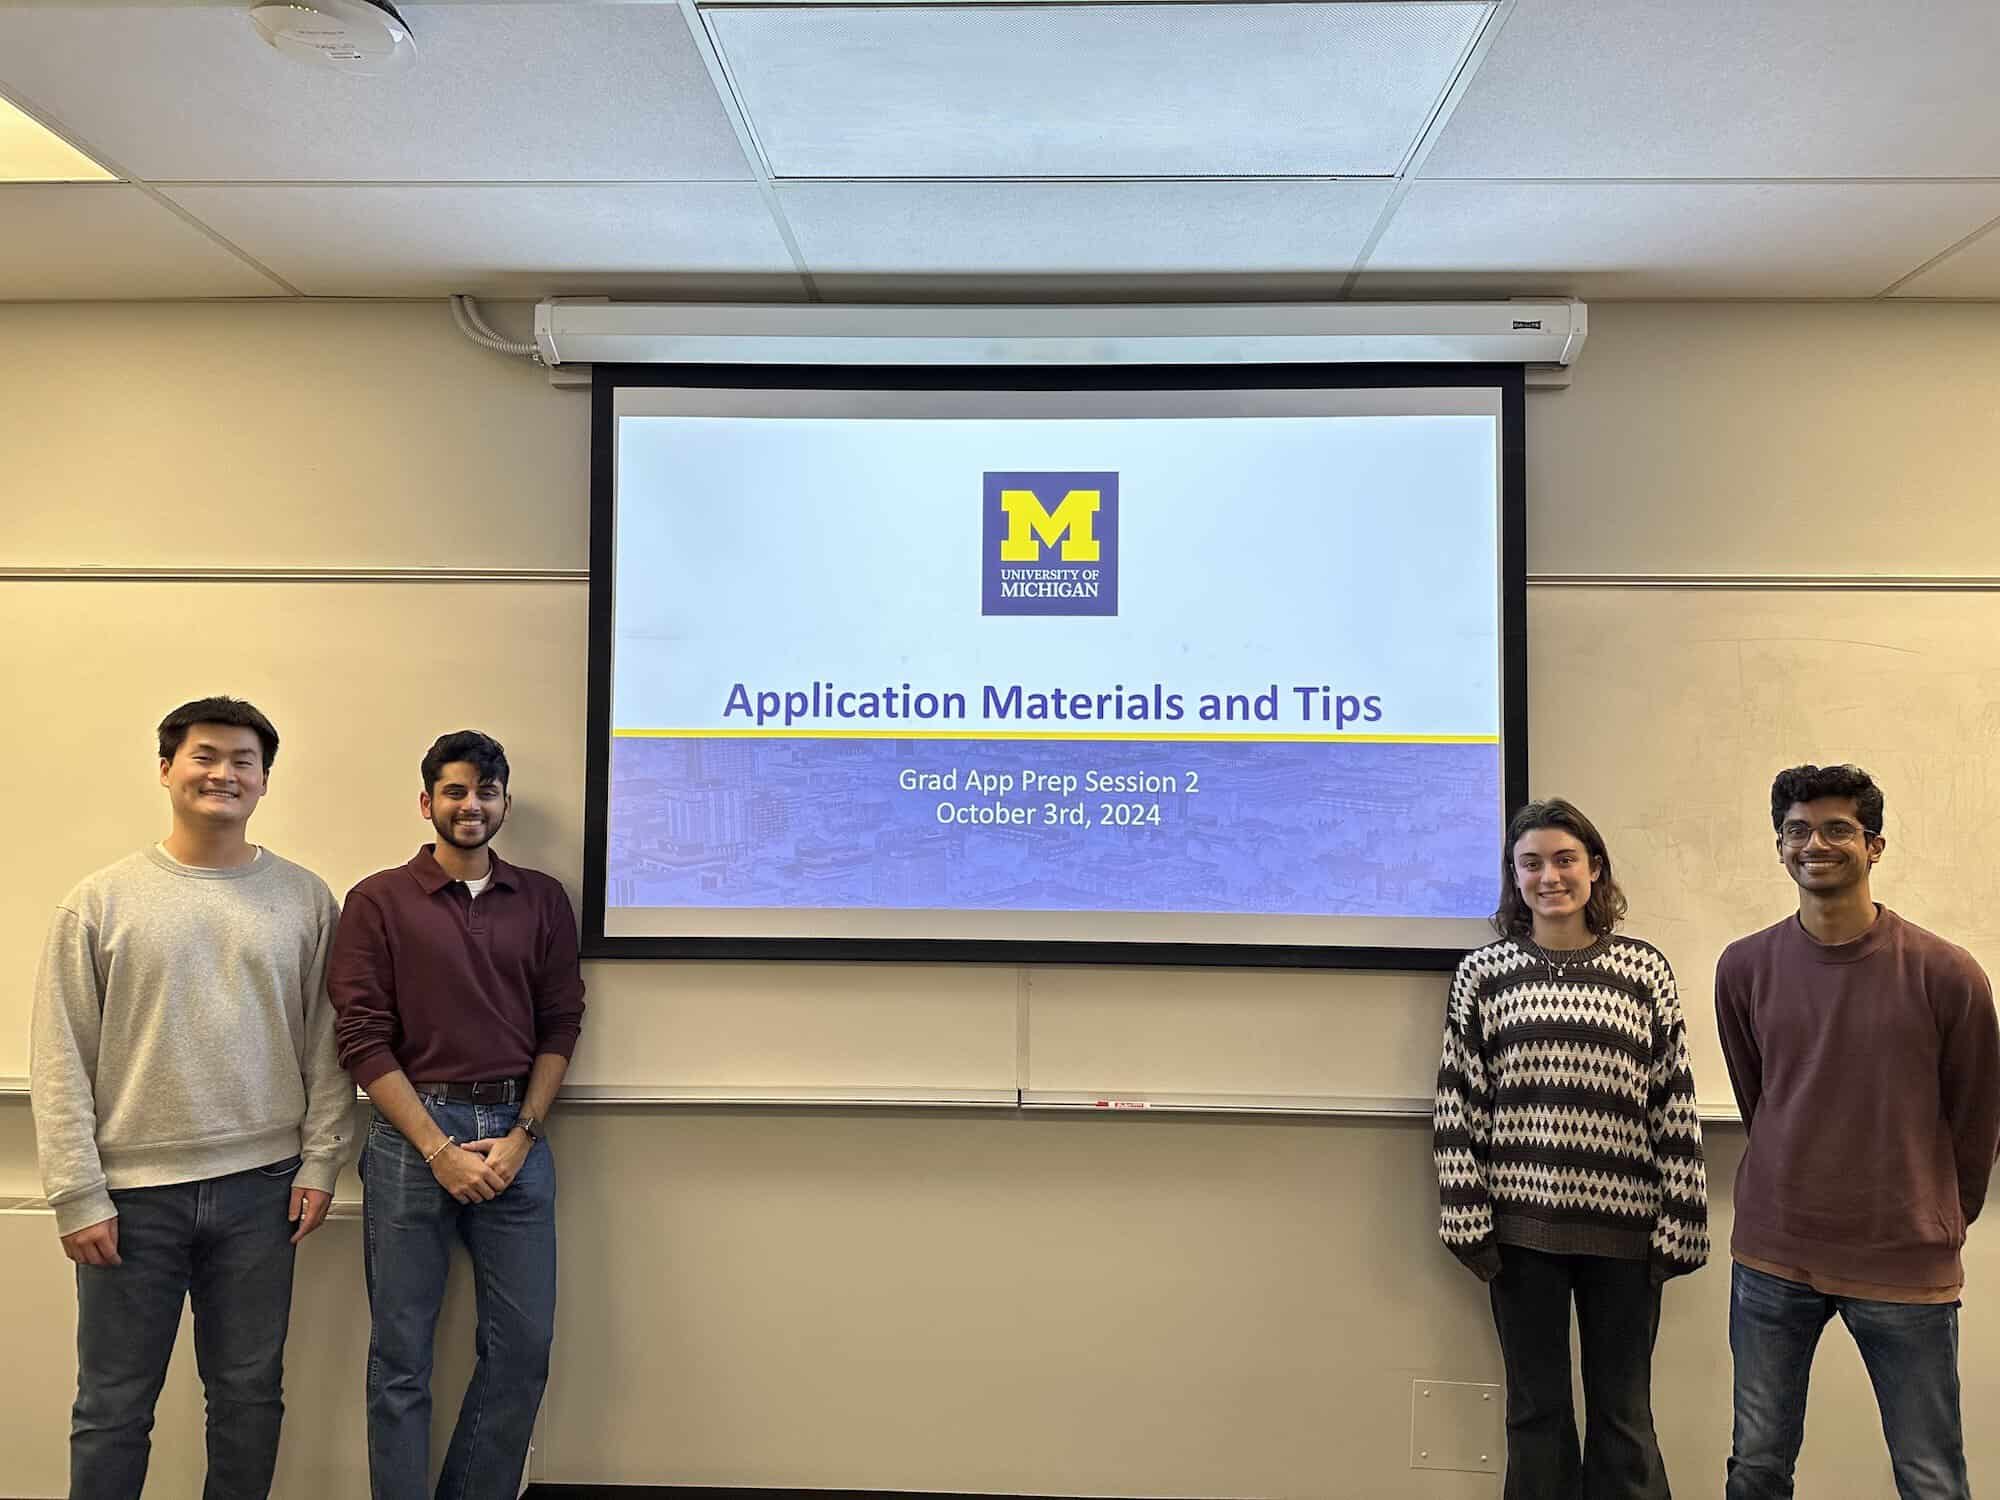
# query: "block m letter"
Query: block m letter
{"points": [[1071, 523]]}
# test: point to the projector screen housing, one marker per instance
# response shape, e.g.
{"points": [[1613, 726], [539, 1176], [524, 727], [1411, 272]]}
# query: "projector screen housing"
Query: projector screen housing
{"points": [[699, 757], [1546, 333]]}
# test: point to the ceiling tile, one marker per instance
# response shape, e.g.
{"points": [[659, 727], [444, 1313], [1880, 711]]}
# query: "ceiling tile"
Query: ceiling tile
{"points": [[1092, 91], [1670, 239], [499, 93], [64, 242], [1721, 88], [1971, 271], [537, 240], [1081, 227]]}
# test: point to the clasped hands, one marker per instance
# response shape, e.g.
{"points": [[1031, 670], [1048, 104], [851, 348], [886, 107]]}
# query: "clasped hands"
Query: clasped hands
{"points": [[482, 1170]]}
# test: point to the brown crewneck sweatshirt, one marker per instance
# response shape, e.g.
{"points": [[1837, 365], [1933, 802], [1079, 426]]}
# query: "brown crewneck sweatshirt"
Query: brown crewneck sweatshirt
{"points": [[1868, 1074]]}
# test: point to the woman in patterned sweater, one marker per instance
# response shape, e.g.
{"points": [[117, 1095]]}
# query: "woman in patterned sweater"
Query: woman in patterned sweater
{"points": [[1569, 1158]]}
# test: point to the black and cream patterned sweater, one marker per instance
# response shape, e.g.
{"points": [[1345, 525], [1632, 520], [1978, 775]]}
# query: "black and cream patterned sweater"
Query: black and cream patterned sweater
{"points": [[1565, 1117]]}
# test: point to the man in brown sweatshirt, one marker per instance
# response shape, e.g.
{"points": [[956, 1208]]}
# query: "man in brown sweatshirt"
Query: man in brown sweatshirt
{"points": [[1866, 1062]]}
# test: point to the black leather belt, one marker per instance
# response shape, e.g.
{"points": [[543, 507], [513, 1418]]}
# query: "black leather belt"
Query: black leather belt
{"points": [[500, 1091]]}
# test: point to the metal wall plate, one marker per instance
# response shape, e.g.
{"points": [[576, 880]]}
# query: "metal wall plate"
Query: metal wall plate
{"points": [[1458, 1425]]}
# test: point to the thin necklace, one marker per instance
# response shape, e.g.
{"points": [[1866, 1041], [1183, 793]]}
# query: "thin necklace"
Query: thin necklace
{"points": [[1572, 956]]}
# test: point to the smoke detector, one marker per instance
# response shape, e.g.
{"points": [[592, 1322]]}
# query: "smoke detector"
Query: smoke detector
{"points": [[351, 36]]}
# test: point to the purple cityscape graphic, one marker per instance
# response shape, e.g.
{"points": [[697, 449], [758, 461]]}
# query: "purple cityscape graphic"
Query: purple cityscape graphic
{"points": [[1257, 827]]}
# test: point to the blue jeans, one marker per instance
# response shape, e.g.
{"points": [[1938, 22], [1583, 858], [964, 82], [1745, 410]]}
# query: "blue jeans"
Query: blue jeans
{"points": [[410, 1224], [1911, 1351], [225, 1243]]}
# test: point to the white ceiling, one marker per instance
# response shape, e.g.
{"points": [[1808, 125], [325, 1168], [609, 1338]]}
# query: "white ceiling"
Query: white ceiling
{"points": [[912, 149]]}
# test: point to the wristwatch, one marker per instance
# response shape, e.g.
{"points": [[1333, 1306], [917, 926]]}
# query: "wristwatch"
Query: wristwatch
{"points": [[530, 1124]]}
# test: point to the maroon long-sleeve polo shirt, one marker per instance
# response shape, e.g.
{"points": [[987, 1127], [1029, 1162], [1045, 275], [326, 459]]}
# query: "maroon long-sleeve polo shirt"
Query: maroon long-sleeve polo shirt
{"points": [[452, 988]]}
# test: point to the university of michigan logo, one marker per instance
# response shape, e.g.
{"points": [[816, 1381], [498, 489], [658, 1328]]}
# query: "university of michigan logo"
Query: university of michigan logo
{"points": [[1049, 543]]}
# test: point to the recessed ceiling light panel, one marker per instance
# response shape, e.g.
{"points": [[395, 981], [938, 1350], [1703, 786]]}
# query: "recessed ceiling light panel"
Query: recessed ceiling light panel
{"points": [[352, 36], [31, 152]]}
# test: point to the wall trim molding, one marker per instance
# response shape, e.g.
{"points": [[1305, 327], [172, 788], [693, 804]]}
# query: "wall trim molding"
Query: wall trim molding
{"points": [[1909, 582], [1100, 1102], [543, 1491], [293, 575], [1887, 582]]}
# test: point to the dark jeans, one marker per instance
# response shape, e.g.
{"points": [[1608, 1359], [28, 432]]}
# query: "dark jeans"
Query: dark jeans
{"points": [[1617, 1318], [411, 1223], [226, 1243], [1910, 1349]]}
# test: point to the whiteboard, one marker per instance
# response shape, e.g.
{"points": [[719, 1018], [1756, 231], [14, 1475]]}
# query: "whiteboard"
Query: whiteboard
{"points": [[1664, 714]]}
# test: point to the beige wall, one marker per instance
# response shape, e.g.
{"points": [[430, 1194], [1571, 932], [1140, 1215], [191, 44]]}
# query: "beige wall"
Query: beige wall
{"points": [[980, 1300]]}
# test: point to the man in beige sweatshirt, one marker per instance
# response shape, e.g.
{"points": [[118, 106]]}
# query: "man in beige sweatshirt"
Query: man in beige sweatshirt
{"points": [[191, 1113]]}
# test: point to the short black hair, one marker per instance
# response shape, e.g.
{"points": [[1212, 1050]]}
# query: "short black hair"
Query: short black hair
{"points": [[232, 711], [1809, 783], [1606, 907], [486, 754]]}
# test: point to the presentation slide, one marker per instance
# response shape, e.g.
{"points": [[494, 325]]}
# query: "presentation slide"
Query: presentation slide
{"points": [[1160, 666]]}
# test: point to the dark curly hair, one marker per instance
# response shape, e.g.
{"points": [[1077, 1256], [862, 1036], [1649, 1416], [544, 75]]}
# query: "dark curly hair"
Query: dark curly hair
{"points": [[1809, 783], [485, 754], [1606, 907]]}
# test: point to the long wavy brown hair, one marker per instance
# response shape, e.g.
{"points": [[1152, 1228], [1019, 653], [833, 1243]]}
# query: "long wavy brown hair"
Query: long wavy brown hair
{"points": [[1606, 907]]}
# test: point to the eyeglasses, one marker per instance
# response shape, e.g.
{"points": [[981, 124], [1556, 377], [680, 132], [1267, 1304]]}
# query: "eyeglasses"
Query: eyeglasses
{"points": [[1833, 831]]}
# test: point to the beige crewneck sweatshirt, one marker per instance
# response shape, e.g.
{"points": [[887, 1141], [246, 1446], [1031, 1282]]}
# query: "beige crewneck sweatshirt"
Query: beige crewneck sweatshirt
{"points": [[182, 1031]]}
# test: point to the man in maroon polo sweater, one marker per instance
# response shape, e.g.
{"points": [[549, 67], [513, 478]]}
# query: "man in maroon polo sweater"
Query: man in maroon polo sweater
{"points": [[1866, 1063], [455, 979]]}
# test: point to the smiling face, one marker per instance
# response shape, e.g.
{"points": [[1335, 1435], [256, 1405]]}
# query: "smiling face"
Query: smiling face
{"points": [[1824, 848], [216, 777], [1553, 873], [464, 808]]}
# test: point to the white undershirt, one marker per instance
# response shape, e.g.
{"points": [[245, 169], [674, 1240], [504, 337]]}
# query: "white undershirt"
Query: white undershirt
{"points": [[476, 886]]}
